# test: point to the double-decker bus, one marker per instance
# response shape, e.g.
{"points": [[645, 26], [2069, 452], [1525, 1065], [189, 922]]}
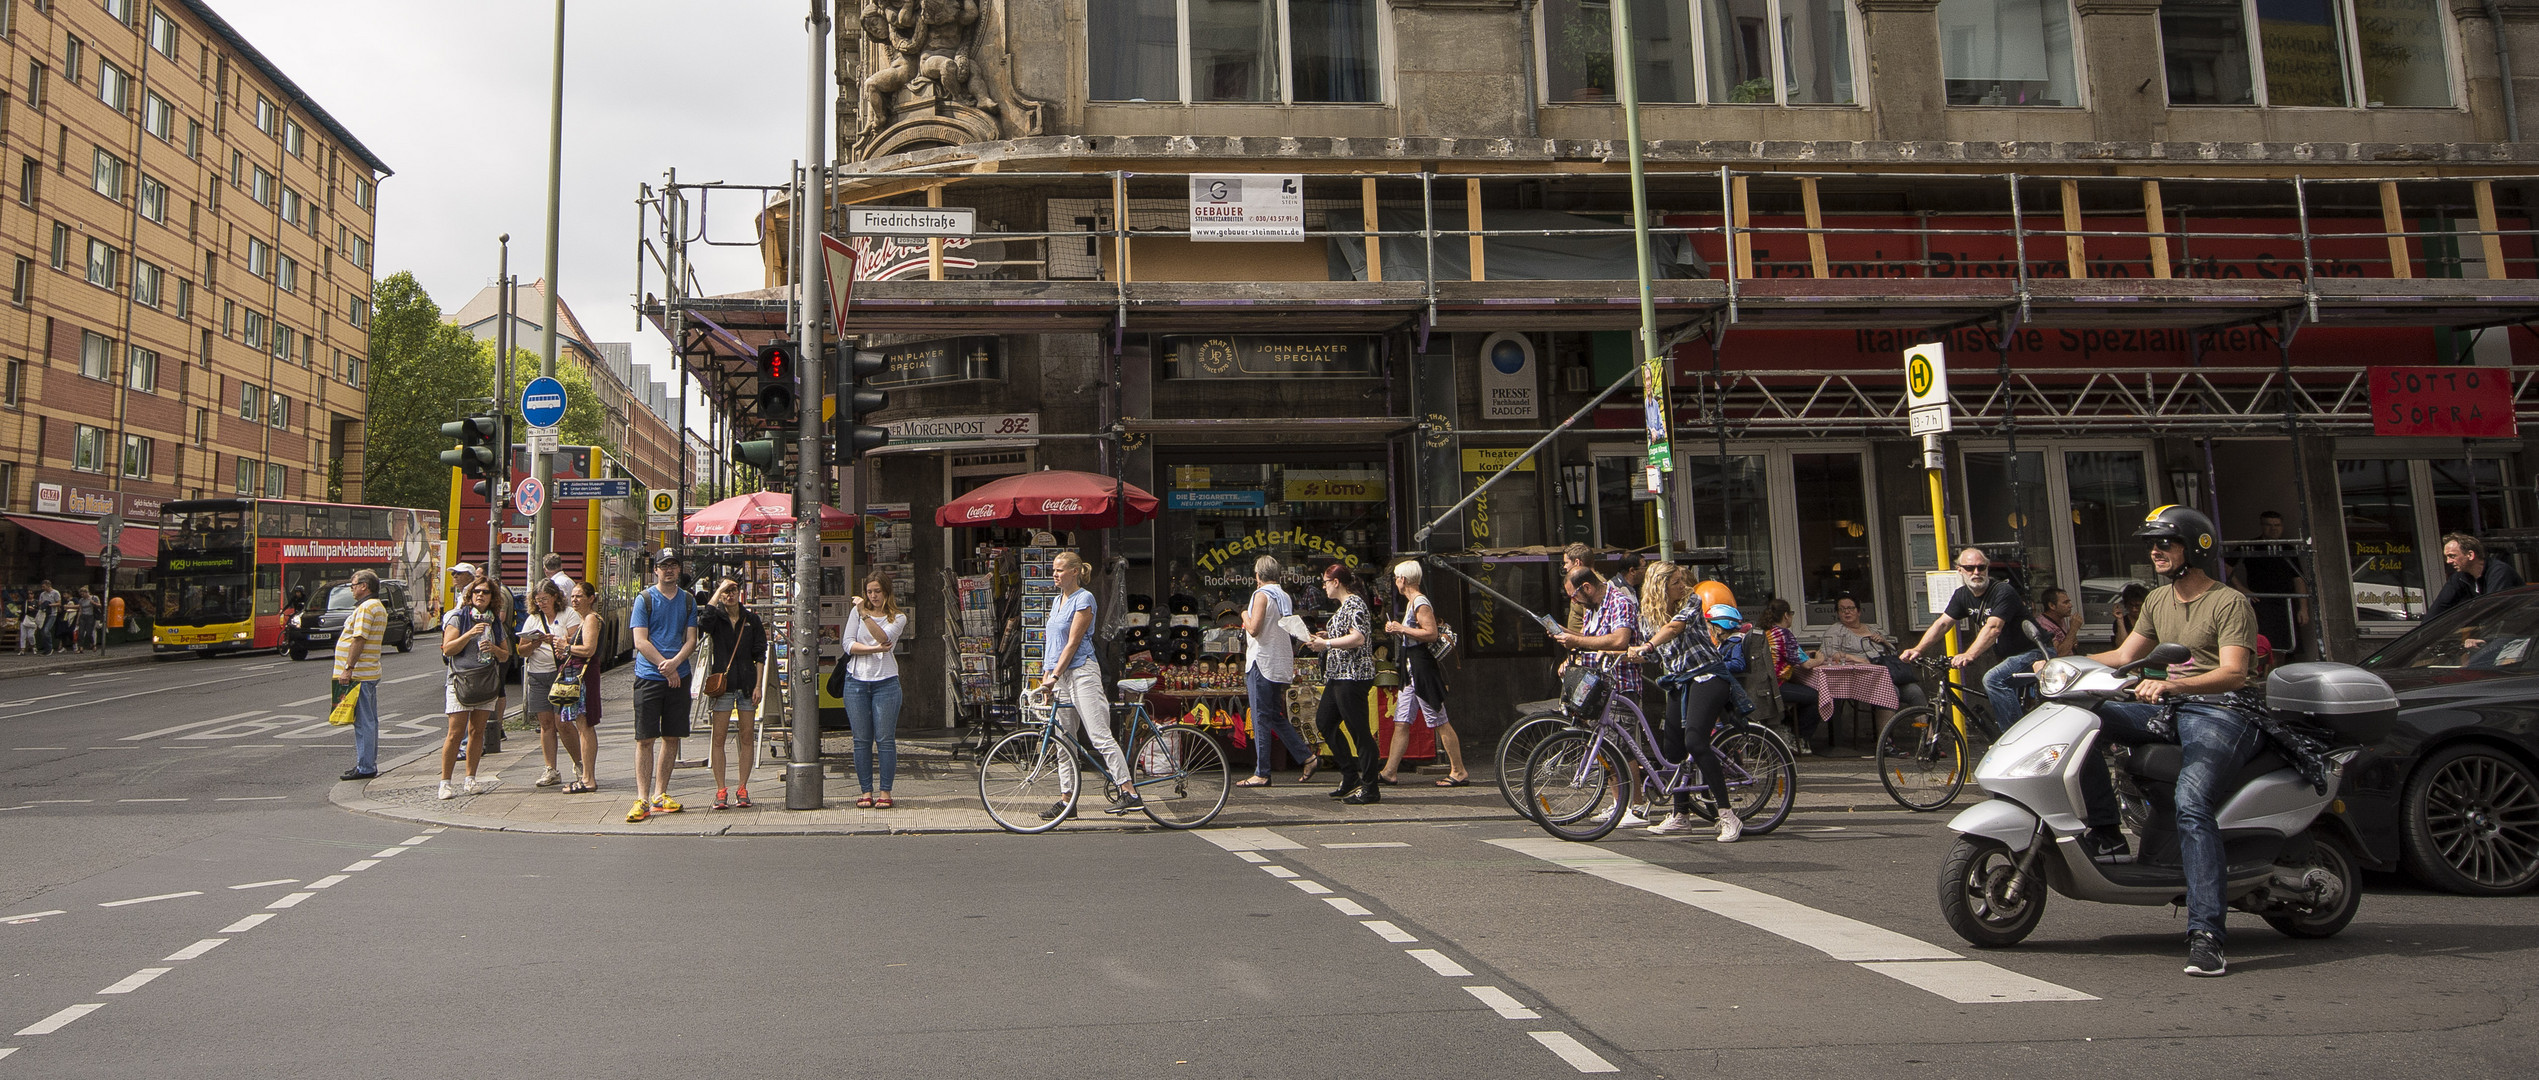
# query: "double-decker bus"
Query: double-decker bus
{"points": [[227, 567], [602, 540]]}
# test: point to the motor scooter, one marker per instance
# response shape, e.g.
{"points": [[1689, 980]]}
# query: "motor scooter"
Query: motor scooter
{"points": [[2282, 863]]}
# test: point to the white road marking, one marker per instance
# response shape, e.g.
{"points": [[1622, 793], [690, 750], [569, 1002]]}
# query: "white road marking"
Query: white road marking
{"points": [[251, 798], [1250, 840], [7, 1050], [304, 701], [411, 678], [1312, 888], [21, 806], [196, 949], [388, 854], [33, 700], [1573, 1052], [152, 800], [358, 867], [413, 840], [436, 830], [290, 901], [58, 802], [1372, 844], [330, 881], [1251, 856], [114, 748], [1438, 963], [147, 899], [39, 748], [1346, 906], [262, 884], [1389, 932], [31, 916], [1499, 1002], [249, 923], [1278, 871], [135, 981], [196, 724], [60, 1020], [1873, 947]]}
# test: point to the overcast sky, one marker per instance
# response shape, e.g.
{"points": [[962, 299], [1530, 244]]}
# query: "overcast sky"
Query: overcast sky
{"points": [[453, 95]]}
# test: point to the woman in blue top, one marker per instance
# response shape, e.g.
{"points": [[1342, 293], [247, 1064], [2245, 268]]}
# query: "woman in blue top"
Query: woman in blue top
{"points": [[1068, 644], [1699, 668]]}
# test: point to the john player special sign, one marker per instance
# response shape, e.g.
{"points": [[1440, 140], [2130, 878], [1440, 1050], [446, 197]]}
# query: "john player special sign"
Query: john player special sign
{"points": [[1269, 356]]}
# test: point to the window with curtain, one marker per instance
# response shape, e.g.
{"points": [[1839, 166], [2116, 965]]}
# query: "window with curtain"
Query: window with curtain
{"points": [[1233, 50], [1716, 52], [1133, 50], [2007, 52], [1310, 51]]}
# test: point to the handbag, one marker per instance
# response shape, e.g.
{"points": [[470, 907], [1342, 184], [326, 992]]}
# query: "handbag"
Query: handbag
{"points": [[1446, 641], [566, 690], [476, 685], [1585, 693], [343, 713]]}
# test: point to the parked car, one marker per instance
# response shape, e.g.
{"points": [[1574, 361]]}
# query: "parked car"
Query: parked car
{"points": [[2452, 795], [315, 627]]}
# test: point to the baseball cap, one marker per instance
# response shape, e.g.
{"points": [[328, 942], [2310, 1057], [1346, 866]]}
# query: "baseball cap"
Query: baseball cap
{"points": [[667, 556], [467, 568]]}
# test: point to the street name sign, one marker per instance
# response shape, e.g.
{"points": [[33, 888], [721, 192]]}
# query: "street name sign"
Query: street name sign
{"points": [[911, 221]]}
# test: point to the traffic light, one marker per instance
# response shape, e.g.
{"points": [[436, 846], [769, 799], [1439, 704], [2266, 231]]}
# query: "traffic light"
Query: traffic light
{"points": [[857, 396], [778, 401], [768, 457], [474, 456]]}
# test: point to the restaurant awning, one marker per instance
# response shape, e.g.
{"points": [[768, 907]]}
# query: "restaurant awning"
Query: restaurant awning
{"points": [[139, 543]]}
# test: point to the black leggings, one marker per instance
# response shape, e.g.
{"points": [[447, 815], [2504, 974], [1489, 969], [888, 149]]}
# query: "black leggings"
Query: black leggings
{"points": [[1342, 720], [1691, 710]]}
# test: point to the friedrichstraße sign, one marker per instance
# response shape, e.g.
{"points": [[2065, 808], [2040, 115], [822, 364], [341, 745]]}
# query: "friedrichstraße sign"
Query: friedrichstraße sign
{"points": [[911, 221]]}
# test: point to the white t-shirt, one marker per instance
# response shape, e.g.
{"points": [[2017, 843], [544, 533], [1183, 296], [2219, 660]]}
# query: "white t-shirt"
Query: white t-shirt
{"points": [[876, 666], [1272, 652], [541, 660]]}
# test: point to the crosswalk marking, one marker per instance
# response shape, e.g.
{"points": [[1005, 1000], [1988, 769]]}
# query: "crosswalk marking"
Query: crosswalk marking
{"points": [[1249, 840], [1500, 1003], [1573, 1052], [135, 981]]}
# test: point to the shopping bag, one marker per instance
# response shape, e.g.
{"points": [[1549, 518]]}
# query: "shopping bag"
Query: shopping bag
{"points": [[343, 713]]}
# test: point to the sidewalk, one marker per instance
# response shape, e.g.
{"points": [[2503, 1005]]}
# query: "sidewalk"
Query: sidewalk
{"points": [[22, 665], [934, 793]]}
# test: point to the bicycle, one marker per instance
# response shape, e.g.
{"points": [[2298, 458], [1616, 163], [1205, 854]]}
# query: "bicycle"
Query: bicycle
{"points": [[1924, 755], [1179, 771], [1580, 782], [1518, 745]]}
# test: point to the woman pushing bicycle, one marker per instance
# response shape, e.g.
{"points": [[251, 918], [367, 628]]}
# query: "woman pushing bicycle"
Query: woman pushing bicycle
{"points": [[1701, 651]]}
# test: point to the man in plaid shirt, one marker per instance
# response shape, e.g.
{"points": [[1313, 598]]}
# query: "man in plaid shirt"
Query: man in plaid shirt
{"points": [[1613, 627]]}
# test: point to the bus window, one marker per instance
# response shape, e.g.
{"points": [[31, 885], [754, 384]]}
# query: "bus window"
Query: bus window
{"points": [[268, 590]]}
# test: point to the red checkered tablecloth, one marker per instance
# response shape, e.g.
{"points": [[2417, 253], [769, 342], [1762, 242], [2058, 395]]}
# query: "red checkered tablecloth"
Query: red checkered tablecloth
{"points": [[1867, 683]]}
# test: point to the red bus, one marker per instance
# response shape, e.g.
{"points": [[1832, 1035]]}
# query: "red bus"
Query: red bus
{"points": [[228, 567]]}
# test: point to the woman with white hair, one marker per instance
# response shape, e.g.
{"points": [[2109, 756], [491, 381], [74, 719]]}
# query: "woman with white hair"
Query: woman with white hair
{"points": [[1423, 688], [1068, 637]]}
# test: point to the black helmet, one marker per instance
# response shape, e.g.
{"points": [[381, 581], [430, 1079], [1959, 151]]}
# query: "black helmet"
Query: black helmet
{"points": [[2187, 526]]}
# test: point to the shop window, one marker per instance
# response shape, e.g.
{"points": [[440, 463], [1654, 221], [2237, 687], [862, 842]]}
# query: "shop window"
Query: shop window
{"points": [[2007, 52], [2383, 548], [2009, 516], [1833, 536], [1312, 51], [1725, 508], [2110, 493], [2470, 497]]}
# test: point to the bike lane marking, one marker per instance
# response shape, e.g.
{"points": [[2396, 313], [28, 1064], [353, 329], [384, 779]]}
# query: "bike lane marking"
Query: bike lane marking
{"points": [[1906, 959], [1573, 1052]]}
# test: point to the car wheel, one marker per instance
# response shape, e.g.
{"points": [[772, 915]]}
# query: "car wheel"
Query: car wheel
{"points": [[406, 643], [2472, 822], [299, 652]]}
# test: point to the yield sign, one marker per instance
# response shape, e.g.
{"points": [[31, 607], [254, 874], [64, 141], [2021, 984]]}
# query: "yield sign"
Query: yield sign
{"points": [[840, 268]]}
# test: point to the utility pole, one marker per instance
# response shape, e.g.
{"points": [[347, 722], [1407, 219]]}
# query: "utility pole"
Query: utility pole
{"points": [[542, 466], [802, 774], [1626, 81], [502, 423]]}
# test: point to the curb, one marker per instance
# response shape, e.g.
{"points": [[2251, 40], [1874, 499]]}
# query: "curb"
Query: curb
{"points": [[81, 664]]}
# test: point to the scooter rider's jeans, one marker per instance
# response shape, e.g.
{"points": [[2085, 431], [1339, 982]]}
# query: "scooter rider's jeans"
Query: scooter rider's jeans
{"points": [[2216, 742], [2004, 693]]}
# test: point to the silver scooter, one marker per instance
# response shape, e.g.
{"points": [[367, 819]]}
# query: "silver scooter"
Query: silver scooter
{"points": [[2284, 865]]}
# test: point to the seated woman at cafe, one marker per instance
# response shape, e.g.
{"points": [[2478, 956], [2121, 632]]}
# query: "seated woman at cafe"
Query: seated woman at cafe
{"points": [[1851, 641]]}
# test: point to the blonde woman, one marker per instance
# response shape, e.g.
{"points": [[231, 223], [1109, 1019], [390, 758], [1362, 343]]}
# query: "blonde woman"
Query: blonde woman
{"points": [[1423, 688], [1068, 634]]}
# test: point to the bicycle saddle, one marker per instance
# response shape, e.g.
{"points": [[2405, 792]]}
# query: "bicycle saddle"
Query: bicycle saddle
{"points": [[1136, 686]]}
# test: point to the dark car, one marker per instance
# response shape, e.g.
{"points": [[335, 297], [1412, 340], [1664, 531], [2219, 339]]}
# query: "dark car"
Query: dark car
{"points": [[2452, 794], [316, 627]]}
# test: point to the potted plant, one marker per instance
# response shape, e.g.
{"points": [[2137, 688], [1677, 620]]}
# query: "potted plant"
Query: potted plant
{"points": [[1585, 51]]}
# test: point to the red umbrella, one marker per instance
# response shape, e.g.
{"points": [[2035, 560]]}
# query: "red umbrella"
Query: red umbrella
{"points": [[758, 512], [1051, 499]]}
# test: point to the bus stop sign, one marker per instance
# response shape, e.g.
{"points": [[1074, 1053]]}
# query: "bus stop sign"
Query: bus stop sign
{"points": [[542, 402]]}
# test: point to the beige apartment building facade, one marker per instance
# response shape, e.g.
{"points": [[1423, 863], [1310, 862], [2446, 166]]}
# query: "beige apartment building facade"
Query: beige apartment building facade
{"points": [[189, 258]]}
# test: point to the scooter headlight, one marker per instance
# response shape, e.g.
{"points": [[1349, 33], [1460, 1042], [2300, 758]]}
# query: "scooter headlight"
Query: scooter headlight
{"points": [[2056, 677], [2044, 761]]}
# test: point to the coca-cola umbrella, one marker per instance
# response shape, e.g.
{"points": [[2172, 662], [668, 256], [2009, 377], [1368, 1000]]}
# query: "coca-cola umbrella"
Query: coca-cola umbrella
{"points": [[1051, 499], [756, 513]]}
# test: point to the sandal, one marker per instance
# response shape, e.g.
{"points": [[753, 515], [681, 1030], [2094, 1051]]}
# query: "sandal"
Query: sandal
{"points": [[882, 801], [864, 801], [577, 788], [1453, 782], [1253, 781]]}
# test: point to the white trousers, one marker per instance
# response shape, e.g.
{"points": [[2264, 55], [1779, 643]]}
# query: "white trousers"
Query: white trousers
{"points": [[1082, 687]]}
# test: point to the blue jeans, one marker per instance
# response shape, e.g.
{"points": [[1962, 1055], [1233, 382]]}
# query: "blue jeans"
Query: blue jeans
{"points": [[2003, 693], [873, 709], [1269, 714], [2216, 742], [366, 726]]}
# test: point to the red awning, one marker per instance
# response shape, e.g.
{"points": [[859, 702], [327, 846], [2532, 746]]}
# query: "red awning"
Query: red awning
{"points": [[139, 544]]}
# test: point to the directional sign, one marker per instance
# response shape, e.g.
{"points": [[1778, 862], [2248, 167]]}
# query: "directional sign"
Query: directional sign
{"points": [[573, 489], [840, 277], [529, 496], [1926, 387], [109, 531], [542, 402], [911, 221]]}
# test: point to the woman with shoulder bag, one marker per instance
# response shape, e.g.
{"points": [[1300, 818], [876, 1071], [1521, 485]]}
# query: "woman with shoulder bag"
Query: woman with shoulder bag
{"points": [[867, 680], [731, 687], [1423, 687], [576, 689], [542, 637], [472, 639]]}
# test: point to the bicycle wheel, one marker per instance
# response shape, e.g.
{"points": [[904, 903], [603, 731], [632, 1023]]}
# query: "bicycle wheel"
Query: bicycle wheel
{"points": [[1762, 778], [1025, 774], [1181, 776], [1577, 784], [1920, 759], [1516, 746]]}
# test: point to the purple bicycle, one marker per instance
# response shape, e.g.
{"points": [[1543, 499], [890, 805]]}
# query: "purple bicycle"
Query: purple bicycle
{"points": [[1579, 782]]}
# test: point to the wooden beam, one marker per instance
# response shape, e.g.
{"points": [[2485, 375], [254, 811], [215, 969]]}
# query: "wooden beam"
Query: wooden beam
{"points": [[1742, 259], [1472, 221], [2155, 220], [2392, 221], [1815, 222], [934, 244], [1119, 224], [2075, 249], [2491, 244], [1373, 223]]}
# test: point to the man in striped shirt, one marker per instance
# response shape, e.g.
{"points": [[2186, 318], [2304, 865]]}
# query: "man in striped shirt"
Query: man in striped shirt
{"points": [[357, 671]]}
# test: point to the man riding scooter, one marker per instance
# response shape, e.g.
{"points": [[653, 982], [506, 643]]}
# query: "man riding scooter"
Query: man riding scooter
{"points": [[2219, 626]]}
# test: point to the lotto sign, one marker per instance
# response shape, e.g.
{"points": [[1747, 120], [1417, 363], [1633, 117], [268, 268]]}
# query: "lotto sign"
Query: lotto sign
{"points": [[2465, 402]]}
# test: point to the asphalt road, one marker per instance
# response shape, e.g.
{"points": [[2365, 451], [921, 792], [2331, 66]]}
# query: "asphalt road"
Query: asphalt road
{"points": [[255, 930]]}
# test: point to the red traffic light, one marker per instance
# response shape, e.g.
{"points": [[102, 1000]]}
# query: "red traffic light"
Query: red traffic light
{"points": [[775, 361]]}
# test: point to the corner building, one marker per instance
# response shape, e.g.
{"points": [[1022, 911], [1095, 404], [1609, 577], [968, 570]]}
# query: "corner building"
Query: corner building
{"points": [[2163, 244], [189, 260]]}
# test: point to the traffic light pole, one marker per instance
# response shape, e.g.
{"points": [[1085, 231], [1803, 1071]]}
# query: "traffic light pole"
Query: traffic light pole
{"points": [[802, 668]]}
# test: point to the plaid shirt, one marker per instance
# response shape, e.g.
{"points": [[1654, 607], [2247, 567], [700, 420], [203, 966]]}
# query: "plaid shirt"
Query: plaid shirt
{"points": [[1619, 611]]}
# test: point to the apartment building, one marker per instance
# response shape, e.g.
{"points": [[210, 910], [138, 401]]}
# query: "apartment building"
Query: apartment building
{"points": [[641, 413], [189, 261]]}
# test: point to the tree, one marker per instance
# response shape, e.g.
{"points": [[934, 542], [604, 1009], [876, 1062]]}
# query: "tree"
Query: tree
{"points": [[585, 422], [422, 373]]}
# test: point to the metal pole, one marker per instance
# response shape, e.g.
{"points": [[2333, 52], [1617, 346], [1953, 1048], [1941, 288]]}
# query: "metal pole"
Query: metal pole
{"points": [[1626, 81], [502, 347], [802, 668], [542, 466]]}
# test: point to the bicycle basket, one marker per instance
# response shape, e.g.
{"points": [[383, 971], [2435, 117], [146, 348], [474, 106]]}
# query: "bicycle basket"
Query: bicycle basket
{"points": [[1585, 693]]}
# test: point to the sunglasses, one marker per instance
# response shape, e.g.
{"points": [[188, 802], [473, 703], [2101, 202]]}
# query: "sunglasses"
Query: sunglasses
{"points": [[1973, 567], [2163, 545]]}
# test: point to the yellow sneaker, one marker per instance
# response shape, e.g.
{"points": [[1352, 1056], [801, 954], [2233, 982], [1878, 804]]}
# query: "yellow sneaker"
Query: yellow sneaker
{"points": [[663, 804], [640, 812]]}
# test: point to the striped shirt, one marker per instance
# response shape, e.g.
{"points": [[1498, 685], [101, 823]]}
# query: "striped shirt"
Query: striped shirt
{"points": [[369, 622]]}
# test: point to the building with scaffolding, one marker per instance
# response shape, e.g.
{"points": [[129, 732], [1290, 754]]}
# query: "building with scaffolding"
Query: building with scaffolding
{"points": [[2165, 245]]}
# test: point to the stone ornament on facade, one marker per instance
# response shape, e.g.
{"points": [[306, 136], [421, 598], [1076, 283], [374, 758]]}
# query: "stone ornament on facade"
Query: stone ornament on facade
{"points": [[934, 73]]}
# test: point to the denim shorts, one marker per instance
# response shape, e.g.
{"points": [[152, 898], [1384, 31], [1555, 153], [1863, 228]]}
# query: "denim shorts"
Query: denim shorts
{"points": [[734, 700]]}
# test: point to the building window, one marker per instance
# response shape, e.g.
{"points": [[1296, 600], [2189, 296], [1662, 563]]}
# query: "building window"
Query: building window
{"points": [[202, 426], [15, 393], [163, 34], [106, 175], [1718, 52], [113, 86], [294, 142], [141, 369], [277, 410], [146, 278], [104, 264], [30, 178], [254, 323], [61, 246], [154, 200], [276, 478], [259, 257], [88, 448], [357, 251], [74, 54], [1237, 50], [287, 274], [247, 473], [359, 312], [193, 138], [290, 207], [96, 354], [282, 341], [2007, 52], [121, 10], [353, 364], [136, 457], [157, 116], [2400, 56], [184, 299], [250, 401], [35, 86], [262, 192], [362, 193], [22, 283]]}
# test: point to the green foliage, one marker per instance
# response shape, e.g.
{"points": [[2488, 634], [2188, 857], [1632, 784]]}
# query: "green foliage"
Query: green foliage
{"points": [[421, 372], [585, 423]]}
